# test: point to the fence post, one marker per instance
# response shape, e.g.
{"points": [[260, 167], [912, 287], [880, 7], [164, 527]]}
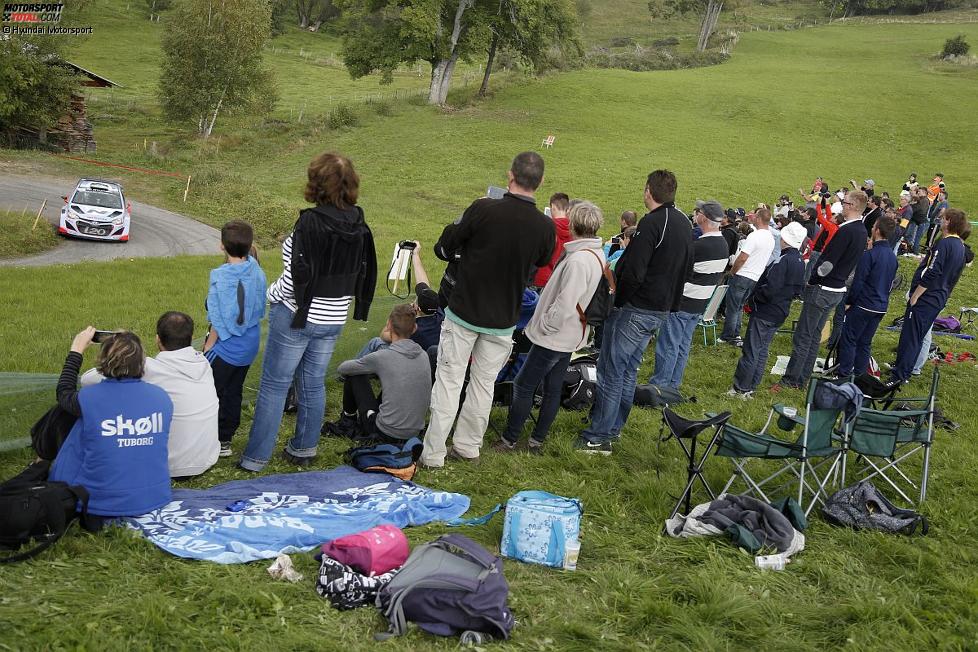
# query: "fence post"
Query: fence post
{"points": [[187, 189], [40, 210]]}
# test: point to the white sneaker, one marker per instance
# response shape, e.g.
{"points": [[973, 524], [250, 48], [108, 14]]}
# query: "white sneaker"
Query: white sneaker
{"points": [[744, 396]]}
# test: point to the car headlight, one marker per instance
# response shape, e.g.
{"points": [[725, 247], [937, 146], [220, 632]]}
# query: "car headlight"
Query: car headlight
{"points": [[118, 221]]}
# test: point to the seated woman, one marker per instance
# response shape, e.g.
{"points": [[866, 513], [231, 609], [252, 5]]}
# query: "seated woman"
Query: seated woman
{"points": [[117, 448]]}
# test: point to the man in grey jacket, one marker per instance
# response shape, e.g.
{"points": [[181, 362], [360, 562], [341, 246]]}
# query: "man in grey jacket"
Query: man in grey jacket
{"points": [[405, 383]]}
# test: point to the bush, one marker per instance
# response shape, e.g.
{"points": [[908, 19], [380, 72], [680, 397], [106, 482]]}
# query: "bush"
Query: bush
{"points": [[955, 47], [622, 42], [383, 108], [342, 116], [666, 42], [642, 59]]}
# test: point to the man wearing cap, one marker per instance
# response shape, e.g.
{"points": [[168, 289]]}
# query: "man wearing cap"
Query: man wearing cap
{"points": [[868, 187], [770, 303], [747, 268], [710, 255]]}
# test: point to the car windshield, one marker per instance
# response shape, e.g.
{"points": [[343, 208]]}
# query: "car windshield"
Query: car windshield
{"points": [[99, 198]]}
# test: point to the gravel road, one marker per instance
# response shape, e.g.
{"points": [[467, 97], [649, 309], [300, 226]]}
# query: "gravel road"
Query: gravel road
{"points": [[154, 232]]}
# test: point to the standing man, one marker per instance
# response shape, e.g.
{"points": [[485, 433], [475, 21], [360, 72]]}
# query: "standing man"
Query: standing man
{"points": [[747, 268], [710, 254], [920, 208], [826, 288], [650, 277], [500, 241]]}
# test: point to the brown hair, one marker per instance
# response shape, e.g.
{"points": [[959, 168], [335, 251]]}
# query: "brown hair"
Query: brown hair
{"points": [[630, 218], [886, 225], [121, 356], [403, 319], [560, 201], [332, 180], [957, 222], [236, 237], [662, 186]]}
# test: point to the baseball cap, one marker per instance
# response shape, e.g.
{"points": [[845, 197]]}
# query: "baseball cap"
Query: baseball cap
{"points": [[711, 208], [427, 299], [869, 183], [793, 235]]}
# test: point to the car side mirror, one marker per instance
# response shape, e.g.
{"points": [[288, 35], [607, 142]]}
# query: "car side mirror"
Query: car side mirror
{"points": [[65, 197]]}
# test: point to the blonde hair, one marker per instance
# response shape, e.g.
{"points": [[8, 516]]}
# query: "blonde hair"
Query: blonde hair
{"points": [[121, 356], [858, 199], [585, 219]]}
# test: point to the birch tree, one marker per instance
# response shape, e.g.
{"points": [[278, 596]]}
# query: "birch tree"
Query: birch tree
{"points": [[709, 10], [211, 61]]}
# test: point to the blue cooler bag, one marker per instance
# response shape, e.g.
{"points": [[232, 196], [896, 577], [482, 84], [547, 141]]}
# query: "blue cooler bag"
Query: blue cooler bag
{"points": [[538, 525]]}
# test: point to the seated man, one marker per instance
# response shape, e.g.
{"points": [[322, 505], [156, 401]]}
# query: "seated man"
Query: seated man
{"points": [[405, 383], [186, 376]]}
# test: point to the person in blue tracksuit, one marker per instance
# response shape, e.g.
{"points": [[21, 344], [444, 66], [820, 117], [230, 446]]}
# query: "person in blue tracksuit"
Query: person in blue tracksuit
{"points": [[117, 449], [868, 299], [930, 289]]}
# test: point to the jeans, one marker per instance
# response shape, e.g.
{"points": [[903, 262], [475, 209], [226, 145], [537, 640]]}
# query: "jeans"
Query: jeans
{"points": [[484, 355], [373, 345], [229, 382], [913, 235], [541, 366], [856, 340], [819, 304], [813, 257], [737, 291], [918, 367], [672, 349], [627, 332], [301, 354], [753, 361], [838, 320], [917, 321]]}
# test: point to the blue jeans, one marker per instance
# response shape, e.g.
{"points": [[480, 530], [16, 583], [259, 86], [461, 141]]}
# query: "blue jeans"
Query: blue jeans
{"points": [[542, 365], [627, 332], [753, 361], [918, 367], [737, 290], [672, 349], [913, 235], [856, 340], [838, 320], [302, 354], [819, 304], [373, 345]]}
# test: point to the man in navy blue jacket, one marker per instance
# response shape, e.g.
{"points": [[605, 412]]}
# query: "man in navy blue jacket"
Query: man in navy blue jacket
{"points": [[930, 289], [769, 303], [868, 299], [826, 289]]}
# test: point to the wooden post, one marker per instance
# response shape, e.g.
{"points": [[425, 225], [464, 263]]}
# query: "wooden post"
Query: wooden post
{"points": [[187, 189], [40, 210]]}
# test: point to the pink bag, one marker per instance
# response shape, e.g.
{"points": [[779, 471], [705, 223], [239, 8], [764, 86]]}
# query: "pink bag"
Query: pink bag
{"points": [[371, 552]]}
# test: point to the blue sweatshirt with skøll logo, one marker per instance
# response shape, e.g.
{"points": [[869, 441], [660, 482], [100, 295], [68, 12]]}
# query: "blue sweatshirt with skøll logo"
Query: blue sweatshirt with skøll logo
{"points": [[117, 449]]}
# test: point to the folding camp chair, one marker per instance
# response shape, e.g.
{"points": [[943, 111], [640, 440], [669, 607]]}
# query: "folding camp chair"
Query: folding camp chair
{"points": [[685, 430], [817, 442], [885, 439], [708, 320]]}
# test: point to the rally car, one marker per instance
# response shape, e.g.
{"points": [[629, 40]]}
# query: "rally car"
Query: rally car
{"points": [[96, 210]]}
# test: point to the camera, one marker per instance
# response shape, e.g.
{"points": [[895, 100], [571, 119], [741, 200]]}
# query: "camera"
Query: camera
{"points": [[616, 240], [407, 244], [102, 336]]}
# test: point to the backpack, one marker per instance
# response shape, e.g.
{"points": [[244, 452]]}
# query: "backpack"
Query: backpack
{"points": [[538, 526], [399, 460], [372, 552], [602, 301], [580, 384], [451, 586], [655, 396], [948, 324], [33, 508], [862, 507]]}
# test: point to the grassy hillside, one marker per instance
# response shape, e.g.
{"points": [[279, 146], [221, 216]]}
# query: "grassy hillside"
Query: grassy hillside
{"points": [[787, 107]]}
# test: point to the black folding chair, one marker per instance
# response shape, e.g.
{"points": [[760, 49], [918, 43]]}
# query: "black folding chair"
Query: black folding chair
{"points": [[686, 433]]}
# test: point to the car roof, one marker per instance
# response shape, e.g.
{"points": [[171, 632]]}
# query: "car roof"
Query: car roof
{"points": [[94, 184]]}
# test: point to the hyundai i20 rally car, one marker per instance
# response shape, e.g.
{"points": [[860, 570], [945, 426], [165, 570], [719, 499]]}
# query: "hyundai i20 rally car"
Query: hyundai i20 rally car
{"points": [[96, 210]]}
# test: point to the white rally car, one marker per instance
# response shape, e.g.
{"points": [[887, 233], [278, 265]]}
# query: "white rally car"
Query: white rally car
{"points": [[97, 210]]}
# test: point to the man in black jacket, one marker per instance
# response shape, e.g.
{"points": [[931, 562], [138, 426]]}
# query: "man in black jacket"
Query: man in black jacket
{"points": [[500, 242], [650, 276]]}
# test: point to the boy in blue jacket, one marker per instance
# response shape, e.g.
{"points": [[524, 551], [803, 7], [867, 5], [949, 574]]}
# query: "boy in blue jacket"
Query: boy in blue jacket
{"points": [[235, 307], [770, 303], [868, 299]]}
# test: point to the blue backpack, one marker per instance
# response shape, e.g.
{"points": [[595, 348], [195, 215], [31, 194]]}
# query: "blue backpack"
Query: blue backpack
{"points": [[399, 460]]}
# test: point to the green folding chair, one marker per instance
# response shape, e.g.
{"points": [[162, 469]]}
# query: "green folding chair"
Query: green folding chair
{"points": [[883, 440], [812, 460]]}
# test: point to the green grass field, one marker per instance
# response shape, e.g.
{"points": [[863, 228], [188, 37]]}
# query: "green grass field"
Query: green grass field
{"points": [[20, 238], [743, 132]]}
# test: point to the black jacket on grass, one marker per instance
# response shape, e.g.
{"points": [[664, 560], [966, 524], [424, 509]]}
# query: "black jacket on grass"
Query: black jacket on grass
{"points": [[657, 261], [501, 243]]}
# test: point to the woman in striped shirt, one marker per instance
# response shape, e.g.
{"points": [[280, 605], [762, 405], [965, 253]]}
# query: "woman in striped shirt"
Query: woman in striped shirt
{"points": [[328, 260]]}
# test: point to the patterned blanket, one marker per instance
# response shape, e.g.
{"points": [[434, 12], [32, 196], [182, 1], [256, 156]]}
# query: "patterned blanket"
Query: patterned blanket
{"points": [[288, 513]]}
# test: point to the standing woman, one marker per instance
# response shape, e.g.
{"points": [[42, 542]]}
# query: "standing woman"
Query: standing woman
{"points": [[328, 260], [556, 330], [930, 289]]}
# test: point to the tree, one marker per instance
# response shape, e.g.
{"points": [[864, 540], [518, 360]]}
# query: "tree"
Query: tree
{"points": [[313, 13], [212, 61], [708, 9], [379, 35], [530, 28], [34, 91]]}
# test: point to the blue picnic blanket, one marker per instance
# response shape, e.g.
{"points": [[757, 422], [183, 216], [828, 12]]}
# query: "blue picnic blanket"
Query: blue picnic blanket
{"points": [[289, 513]]}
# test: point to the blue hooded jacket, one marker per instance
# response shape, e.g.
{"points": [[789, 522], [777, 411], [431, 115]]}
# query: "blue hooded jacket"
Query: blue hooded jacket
{"points": [[235, 308]]}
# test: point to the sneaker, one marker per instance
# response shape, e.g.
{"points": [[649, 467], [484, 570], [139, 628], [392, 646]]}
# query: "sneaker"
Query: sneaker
{"points": [[346, 427], [503, 446], [295, 460], [534, 447], [225, 450], [732, 341], [455, 456], [584, 446], [744, 396]]}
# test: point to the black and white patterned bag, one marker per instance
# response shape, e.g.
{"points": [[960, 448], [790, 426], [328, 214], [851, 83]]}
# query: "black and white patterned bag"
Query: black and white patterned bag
{"points": [[345, 588]]}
